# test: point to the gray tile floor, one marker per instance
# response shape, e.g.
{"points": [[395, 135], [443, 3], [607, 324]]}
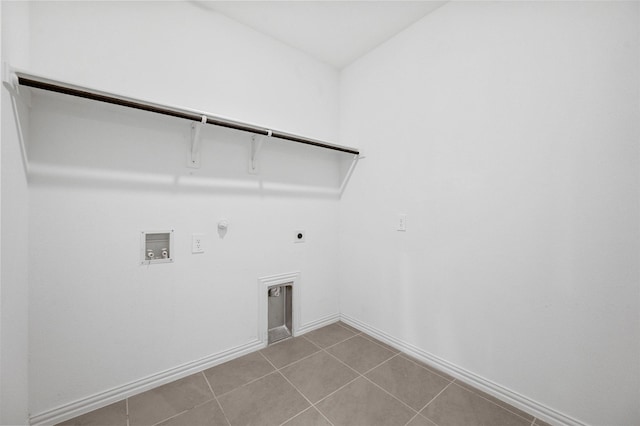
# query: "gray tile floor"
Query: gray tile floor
{"points": [[335, 375]]}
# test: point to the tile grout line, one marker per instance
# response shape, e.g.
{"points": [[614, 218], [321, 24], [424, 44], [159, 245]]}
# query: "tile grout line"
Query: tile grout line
{"points": [[390, 394], [335, 344], [358, 375], [223, 413], [475, 392], [337, 390], [373, 340], [508, 408], [378, 365], [402, 354], [377, 342], [323, 416], [408, 358], [320, 349], [297, 415], [342, 362], [308, 356], [182, 412], [350, 329], [420, 415], [369, 380], [208, 384], [303, 337], [434, 398], [369, 370], [297, 390], [216, 398], [312, 405], [270, 372], [282, 375], [126, 402], [247, 384], [293, 362], [429, 420], [411, 419], [350, 381], [171, 417]]}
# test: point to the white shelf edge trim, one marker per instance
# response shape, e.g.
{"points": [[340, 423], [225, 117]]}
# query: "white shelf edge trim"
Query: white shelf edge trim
{"points": [[14, 77]]}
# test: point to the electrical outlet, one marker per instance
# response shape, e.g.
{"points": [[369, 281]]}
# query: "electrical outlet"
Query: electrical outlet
{"points": [[299, 237], [402, 222], [197, 243]]}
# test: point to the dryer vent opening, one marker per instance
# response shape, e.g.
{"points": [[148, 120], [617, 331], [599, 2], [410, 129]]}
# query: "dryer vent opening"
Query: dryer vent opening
{"points": [[280, 312]]}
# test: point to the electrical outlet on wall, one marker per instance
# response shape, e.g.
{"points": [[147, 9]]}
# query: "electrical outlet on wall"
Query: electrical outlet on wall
{"points": [[197, 243], [299, 236], [402, 222]]}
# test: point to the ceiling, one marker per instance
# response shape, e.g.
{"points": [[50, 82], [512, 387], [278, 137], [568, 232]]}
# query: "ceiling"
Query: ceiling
{"points": [[334, 32]]}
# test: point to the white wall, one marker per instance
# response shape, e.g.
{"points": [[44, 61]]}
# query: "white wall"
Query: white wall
{"points": [[178, 53], [14, 230], [508, 132], [100, 175]]}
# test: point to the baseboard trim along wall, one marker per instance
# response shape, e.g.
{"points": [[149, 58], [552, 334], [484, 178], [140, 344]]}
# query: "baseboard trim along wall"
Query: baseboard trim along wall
{"points": [[319, 323], [102, 399], [517, 400]]}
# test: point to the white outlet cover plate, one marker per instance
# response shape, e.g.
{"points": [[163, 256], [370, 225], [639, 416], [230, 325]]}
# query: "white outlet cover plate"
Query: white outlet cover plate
{"points": [[297, 238], [402, 222], [197, 243]]}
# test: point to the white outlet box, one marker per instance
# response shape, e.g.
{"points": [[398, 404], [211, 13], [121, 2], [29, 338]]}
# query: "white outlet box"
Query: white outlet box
{"points": [[402, 222], [197, 243]]}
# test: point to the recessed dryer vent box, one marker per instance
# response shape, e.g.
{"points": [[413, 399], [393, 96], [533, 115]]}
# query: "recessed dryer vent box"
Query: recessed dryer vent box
{"points": [[156, 247]]}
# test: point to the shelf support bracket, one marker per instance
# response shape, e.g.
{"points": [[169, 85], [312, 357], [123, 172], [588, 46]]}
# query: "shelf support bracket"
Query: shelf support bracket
{"points": [[347, 176], [256, 147], [194, 154], [9, 78], [19, 100]]}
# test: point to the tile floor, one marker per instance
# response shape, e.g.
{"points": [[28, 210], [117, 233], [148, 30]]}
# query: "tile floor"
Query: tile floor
{"points": [[335, 375]]}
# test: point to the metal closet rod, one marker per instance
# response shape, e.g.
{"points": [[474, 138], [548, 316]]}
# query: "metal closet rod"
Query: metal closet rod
{"points": [[38, 82]]}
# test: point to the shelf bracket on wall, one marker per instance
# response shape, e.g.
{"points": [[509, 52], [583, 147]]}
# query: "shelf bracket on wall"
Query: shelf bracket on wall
{"points": [[10, 81], [347, 176], [256, 146], [9, 77], [194, 153]]}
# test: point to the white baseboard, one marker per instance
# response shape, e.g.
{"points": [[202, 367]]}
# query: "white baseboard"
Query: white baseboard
{"points": [[310, 326], [102, 399], [99, 400], [517, 400]]}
